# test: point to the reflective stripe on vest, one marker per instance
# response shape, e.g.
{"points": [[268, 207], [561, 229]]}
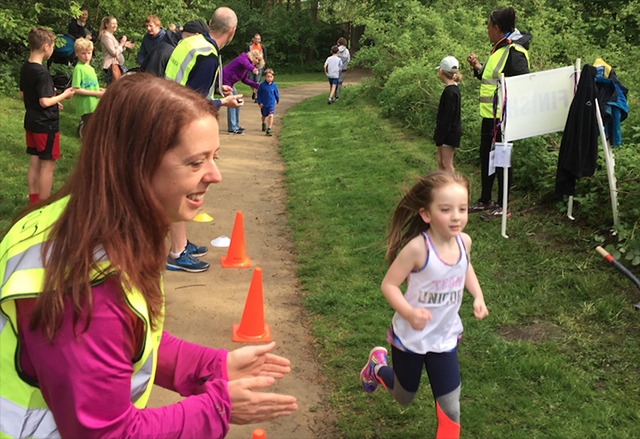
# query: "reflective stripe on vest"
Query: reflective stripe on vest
{"points": [[491, 79], [184, 57], [24, 411], [38, 423]]}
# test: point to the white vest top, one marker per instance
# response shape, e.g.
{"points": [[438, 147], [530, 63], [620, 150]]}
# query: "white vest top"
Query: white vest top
{"points": [[438, 287]]}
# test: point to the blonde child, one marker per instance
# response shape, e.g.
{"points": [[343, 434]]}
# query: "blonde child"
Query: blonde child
{"points": [[267, 98], [85, 83], [427, 248], [448, 124], [42, 117]]}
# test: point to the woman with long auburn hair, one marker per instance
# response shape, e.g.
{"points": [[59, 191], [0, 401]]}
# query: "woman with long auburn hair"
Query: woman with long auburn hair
{"points": [[81, 299]]}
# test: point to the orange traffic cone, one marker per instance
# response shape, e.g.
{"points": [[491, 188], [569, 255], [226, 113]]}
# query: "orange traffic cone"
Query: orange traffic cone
{"points": [[259, 433], [236, 255], [252, 327]]}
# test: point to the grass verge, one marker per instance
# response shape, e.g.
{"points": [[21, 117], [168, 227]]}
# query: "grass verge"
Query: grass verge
{"points": [[556, 358]]}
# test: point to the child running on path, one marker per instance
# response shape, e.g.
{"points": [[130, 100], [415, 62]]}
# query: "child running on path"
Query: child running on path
{"points": [[332, 68], [85, 83], [267, 98], [448, 121], [426, 246], [41, 119]]}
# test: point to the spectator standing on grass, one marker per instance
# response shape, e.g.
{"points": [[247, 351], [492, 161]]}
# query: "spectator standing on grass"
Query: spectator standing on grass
{"points": [[41, 119], [113, 58], [448, 120], [256, 44], [80, 28], [268, 98], [195, 63], [510, 56], [332, 68], [82, 296], [345, 57], [153, 37], [238, 70], [85, 83], [427, 248]]}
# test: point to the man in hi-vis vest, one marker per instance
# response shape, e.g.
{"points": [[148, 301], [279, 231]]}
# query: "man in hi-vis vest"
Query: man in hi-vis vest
{"points": [[195, 62]]}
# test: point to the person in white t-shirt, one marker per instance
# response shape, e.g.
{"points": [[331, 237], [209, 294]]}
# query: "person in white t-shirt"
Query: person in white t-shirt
{"points": [[427, 248], [332, 68]]}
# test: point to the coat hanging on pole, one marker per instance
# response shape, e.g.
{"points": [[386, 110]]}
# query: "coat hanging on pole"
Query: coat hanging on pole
{"points": [[579, 147]]}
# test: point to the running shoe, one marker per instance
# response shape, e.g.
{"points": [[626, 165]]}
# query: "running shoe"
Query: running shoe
{"points": [[368, 379], [479, 206], [186, 262], [195, 250], [494, 212]]}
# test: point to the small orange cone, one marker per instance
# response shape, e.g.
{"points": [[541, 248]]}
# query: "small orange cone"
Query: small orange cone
{"points": [[236, 255], [252, 327], [259, 433]]}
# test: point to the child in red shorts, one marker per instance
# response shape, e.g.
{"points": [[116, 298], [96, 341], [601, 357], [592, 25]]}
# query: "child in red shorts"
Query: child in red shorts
{"points": [[41, 117]]}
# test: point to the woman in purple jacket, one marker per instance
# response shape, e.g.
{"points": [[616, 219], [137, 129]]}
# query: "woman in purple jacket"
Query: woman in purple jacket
{"points": [[238, 70]]}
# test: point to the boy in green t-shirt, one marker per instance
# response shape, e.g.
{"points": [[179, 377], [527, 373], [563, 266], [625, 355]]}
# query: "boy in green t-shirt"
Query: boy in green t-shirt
{"points": [[85, 82]]}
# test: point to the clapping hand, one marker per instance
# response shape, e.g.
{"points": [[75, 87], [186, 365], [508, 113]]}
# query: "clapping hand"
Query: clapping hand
{"points": [[253, 361], [249, 406]]}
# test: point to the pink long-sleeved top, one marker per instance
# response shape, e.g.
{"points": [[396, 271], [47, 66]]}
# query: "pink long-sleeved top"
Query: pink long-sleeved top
{"points": [[86, 378]]}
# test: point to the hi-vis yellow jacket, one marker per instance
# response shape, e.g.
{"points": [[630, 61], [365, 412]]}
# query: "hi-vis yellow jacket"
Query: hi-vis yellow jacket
{"points": [[185, 56], [23, 411], [491, 76]]}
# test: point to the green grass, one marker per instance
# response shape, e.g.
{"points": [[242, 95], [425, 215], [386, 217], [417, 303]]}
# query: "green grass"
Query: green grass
{"points": [[556, 358]]}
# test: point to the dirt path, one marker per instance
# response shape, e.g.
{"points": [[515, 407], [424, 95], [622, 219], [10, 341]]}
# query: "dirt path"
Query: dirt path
{"points": [[202, 307]]}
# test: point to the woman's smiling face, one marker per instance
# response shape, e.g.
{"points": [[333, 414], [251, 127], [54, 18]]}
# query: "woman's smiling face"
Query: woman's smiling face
{"points": [[187, 170]]}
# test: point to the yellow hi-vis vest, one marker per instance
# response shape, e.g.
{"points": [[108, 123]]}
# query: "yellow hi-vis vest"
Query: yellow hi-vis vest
{"points": [[185, 56], [490, 79], [23, 411]]}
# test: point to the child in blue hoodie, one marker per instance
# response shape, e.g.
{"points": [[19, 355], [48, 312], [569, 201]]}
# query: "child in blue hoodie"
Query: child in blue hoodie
{"points": [[268, 97]]}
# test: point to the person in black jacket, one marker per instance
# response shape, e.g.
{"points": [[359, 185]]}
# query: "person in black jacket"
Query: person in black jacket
{"points": [[510, 56], [156, 61], [79, 28], [448, 125]]}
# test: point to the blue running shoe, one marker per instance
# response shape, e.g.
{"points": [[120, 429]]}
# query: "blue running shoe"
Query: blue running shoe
{"points": [[195, 250], [186, 262], [368, 379]]}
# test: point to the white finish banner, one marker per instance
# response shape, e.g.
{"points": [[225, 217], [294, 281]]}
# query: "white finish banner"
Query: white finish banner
{"points": [[537, 103]]}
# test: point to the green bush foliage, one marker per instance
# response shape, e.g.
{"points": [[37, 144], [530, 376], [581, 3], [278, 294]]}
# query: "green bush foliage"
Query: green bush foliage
{"points": [[405, 40]]}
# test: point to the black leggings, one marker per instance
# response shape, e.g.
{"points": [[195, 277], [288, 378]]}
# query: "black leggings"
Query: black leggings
{"points": [[442, 368], [402, 382], [486, 140]]}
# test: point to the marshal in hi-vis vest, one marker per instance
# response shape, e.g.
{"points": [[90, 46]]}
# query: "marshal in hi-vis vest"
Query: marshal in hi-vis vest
{"points": [[23, 411], [491, 77], [184, 57]]}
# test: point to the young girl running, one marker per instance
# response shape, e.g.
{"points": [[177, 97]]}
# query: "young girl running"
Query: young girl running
{"points": [[426, 246], [448, 125]]}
